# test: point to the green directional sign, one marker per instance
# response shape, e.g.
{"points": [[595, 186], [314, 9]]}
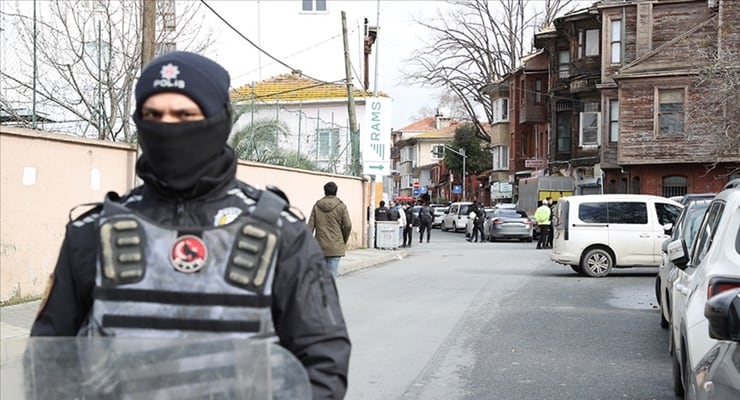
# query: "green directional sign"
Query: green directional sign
{"points": [[375, 137]]}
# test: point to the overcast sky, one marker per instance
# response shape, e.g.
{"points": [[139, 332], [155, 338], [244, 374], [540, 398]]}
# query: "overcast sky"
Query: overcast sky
{"points": [[313, 43]]}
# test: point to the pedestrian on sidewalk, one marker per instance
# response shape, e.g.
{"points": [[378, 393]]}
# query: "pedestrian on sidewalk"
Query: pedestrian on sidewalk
{"points": [[412, 220], [426, 217], [331, 226], [130, 265], [401, 223]]}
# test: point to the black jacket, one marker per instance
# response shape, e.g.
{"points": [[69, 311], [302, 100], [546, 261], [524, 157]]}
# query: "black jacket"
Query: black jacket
{"points": [[305, 307]]}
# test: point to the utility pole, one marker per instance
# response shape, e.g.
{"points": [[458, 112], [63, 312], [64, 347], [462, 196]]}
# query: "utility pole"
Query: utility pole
{"points": [[461, 153], [148, 23], [355, 168]]}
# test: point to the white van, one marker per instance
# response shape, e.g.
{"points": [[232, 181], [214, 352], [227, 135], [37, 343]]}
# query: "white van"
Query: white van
{"points": [[595, 233], [457, 216]]}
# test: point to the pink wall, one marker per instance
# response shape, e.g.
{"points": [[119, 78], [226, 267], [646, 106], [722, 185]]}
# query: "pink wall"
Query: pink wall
{"points": [[44, 175]]}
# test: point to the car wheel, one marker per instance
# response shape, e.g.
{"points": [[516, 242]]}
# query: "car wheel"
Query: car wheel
{"points": [[454, 227], [663, 307], [597, 263], [529, 239], [677, 382]]}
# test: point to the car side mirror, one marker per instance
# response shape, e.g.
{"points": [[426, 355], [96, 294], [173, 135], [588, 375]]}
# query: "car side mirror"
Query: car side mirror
{"points": [[723, 313], [677, 253], [668, 228]]}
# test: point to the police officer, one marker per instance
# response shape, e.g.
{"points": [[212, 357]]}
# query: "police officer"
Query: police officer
{"points": [[171, 243]]}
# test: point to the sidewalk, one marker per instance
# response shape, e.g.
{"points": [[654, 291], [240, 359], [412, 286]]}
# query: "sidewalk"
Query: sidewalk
{"points": [[16, 320]]}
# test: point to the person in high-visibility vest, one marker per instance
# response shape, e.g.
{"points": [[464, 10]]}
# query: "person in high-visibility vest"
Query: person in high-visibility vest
{"points": [[542, 216]]}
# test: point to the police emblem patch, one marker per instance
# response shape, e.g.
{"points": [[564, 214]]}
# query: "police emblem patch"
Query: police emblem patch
{"points": [[226, 215], [189, 254]]}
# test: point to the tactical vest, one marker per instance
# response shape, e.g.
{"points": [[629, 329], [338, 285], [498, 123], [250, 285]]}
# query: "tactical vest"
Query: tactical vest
{"points": [[163, 282]]}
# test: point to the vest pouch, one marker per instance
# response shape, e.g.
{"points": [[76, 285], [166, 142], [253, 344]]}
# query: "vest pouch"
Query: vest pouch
{"points": [[252, 255], [121, 251]]}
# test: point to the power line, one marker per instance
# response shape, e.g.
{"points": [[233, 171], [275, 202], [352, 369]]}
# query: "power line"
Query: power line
{"points": [[254, 45]]}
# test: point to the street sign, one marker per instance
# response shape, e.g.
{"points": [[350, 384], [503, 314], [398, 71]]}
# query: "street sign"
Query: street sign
{"points": [[534, 163], [423, 190], [375, 137], [457, 189], [416, 185], [416, 192]]}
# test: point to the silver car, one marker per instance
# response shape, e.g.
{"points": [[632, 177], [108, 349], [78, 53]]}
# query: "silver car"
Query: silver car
{"points": [[506, 223], [685, 228]]}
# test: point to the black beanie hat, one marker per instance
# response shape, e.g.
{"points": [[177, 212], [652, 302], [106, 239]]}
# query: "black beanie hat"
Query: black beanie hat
{"points": [[199, 78]]}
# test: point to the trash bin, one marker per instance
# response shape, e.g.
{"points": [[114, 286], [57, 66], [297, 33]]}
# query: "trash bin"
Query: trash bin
{"points": [[386, 234]]}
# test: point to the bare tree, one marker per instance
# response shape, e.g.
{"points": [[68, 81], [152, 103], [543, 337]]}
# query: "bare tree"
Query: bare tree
{"points": [[475, 43], [88, 58], [717, 88]]}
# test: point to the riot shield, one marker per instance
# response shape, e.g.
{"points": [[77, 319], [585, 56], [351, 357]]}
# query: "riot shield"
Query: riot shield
{"points": [[125, 368]]}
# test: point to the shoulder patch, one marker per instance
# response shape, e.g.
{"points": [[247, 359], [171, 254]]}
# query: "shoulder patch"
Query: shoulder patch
{"points": [[226, 215], [86, 217]]}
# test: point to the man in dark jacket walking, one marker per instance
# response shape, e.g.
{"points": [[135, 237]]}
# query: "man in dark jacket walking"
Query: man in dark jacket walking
{"points": [[331, 225], [426, 217], [257, 261]]}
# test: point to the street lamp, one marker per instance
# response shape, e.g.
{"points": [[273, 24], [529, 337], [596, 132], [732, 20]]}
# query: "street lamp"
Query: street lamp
{"points": [[461, 153]]}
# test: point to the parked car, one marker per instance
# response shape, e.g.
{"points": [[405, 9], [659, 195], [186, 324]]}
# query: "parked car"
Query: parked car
{"points": [[439, 216], [595, 233], [685, 228], [457, 216], [711, 266], [717, 374], [507, 223]]}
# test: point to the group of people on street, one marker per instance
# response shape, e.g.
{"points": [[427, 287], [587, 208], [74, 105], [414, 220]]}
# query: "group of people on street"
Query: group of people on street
{"points": [[407, 220], [477, 215]]}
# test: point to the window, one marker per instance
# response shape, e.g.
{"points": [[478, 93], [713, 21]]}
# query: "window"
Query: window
{"points": [[705, 235], [522, 92], [674, 186], [616, 41], [167, 11], [628, 213], [593, 213], [538, 91], [524, 143], [613, 213], [613, 120], [501, 158], [670, 112], [314, 5], [438, 151], [636, 185], [589, 129], [588, 43], [667, 213], [563, 64], [164, 47], [563, 132], [500, 110], [328, 143]]}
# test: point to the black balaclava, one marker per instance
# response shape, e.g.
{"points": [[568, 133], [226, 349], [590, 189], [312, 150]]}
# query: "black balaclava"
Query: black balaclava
{"points": [[189, 158]]}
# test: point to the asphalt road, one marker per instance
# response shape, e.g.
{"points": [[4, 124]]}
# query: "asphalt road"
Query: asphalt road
{"points": [[460, 320]]}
